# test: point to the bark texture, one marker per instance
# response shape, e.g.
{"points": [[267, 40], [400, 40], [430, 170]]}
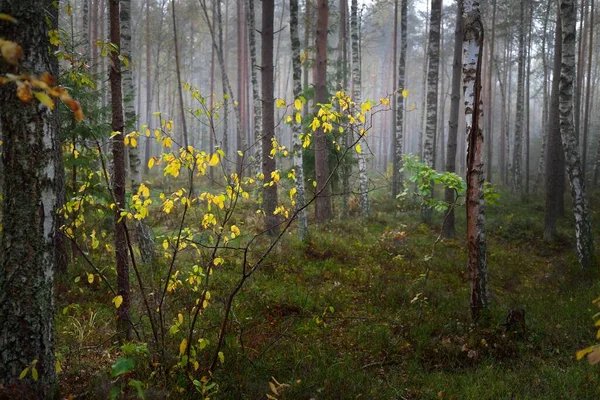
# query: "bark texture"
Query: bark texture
{"points": [[119, 175], [27, 259], [255, 95], [520, 106], [399, 132], [296, 127], [323, 205], [356, 96], [476, 239], [583, 230], [268, 112], [450, 195]]}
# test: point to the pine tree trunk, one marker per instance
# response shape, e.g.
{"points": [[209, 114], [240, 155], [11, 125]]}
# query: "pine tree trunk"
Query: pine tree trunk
{"points": [[268, 113], [520, 106], [356, 96], [27, 257], [323, 205], [476, 239], [527, 104], [296, 127], [583, 231], [448, 228], [555, 159], [432, 92], [399, 132], [255, 96], [118, 184]]}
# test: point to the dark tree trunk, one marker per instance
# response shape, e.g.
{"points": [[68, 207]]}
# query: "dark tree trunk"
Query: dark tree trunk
{"points": [[448, 229], [268, 114], [118, 184], [27, 258], [399, 132]]}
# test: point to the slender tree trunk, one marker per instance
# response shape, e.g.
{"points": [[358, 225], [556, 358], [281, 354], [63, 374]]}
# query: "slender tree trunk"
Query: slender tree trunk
{"points": [[520, 106], [149, 139], [448, 228], [580, 63], [118, 152], [433, 48], [540, 174], [27, 248], [255, 96], [490, 126], [587, 91], [527, 103], [347, 166], [323, 205], [424, 83], [186, 141], [476, 239], [297, 127], [583, 230], [555, 160], [211, 104], [268, 113], [399, 132]]}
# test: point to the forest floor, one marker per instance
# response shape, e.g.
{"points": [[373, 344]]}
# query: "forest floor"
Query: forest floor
{"points": [[377, 308]]}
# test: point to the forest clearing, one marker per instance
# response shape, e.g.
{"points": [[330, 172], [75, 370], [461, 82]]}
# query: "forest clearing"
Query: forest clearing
{"points": [[316, 199]]}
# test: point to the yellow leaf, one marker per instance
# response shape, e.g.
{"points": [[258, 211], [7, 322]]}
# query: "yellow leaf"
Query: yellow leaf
{"points": [[298, 104], [58, 367], [44, 99], [298, 118], [165, 244], [581, 353], [280, 103], [358, 148], [221, 357], [180, 318], [182, 346], [24, 373], [118, 300], [151, 163], [11, 51], [34, 373], [214, 160], [405, 93], [133, 142], [90, 278], [6, 17]]}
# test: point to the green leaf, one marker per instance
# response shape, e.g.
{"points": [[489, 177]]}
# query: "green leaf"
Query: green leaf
{"points": [[139, 387], [24, 373], [122, 366], [114, 392]]}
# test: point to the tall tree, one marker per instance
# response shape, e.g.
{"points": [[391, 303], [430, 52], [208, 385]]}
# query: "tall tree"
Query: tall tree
{"points": [[323, 205], [27, 259], [268, 114], [448, 228], [588, 87], [356, 96], [490, 71], [186, 141], [583, 229], [520, 105], [343, 62], [399, 132], [555, 159], [147, 44], [297, 127], [476, 239], [433, 72], [119, 175], [254, 75]]}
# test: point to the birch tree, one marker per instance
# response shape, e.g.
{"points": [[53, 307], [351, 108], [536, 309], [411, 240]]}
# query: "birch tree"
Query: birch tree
{"points": [[296, 126], [399, 131], [583, 230], [27, 259], [432, 90], [476, 239], [356, 96], [254, 78]]}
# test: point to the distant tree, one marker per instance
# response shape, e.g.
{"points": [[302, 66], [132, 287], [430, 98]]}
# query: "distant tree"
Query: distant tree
{"points": [[323, 204], [476, 239], [254, 78], [448, 228], [583, 228], [588, 89], [27, 258], [184, 130]]}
